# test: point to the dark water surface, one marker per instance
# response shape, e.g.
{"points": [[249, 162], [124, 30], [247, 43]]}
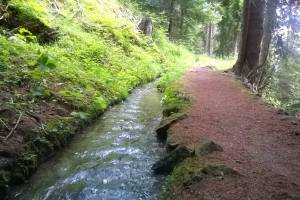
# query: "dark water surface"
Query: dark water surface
{"points": [[111, 161]]}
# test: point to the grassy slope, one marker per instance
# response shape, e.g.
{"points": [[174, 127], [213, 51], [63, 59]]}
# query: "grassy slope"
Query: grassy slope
{"points": [[218, 63], [98, 59]]}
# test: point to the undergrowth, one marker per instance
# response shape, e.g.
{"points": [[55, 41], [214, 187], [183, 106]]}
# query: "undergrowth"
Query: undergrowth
{"points": [[174, 98]]}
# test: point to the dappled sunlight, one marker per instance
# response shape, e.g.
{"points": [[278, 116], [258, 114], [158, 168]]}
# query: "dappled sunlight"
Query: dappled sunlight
{"points": [[219, 64]]}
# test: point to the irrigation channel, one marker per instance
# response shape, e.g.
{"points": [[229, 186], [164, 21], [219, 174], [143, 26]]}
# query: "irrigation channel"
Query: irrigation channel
{"points": [[111, 160]]}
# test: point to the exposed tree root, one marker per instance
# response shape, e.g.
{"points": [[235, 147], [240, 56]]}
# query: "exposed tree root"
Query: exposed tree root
{"points": [[14, 128]]}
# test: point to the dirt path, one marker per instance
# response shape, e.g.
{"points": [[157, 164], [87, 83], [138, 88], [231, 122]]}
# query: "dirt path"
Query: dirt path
{"points": [[258, 142]]}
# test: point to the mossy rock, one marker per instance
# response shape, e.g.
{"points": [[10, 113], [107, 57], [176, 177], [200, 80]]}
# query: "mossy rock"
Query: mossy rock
{"points": [[166, 123], [170, 161], [186, 173], [206, 147], [219, 170], [171, 142], [16, 17], [171, 109]]}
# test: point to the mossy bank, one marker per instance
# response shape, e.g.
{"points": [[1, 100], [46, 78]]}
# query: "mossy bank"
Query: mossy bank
{"points": [[59, 77]]}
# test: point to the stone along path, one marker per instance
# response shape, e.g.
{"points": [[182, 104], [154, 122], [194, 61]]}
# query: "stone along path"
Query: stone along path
{"points": [[258, 142]]}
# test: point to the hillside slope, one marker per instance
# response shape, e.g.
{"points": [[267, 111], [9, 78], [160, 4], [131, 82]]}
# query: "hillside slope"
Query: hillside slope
{"points": [[62, 63]]}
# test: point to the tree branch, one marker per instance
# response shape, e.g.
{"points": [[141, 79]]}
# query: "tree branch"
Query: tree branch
{"points": [[4, 11], [12, 130], [79, 10], [4, 124]]}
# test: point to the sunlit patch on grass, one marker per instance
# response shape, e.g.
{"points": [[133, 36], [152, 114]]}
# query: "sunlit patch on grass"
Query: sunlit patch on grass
{"points": [[219, 64]]}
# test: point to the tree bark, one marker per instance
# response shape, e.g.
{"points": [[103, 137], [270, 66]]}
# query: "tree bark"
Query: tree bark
{"points": [[237, 44], [269, 26], [208, 39], [174, 16], [171, 16], [238, 66], [252, 32], [146, 26]]}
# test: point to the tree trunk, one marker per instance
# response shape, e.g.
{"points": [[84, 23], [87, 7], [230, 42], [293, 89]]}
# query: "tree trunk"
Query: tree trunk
{"points": [[252, 32], [269, 25], [174, 20], [238, 66], [146, 26], [171, 19], [237, 44], [208, 40], [182, 13]]}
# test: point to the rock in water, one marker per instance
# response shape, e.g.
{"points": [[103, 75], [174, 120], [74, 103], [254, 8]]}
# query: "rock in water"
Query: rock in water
{"points": [[170, 161], [145, 26]]}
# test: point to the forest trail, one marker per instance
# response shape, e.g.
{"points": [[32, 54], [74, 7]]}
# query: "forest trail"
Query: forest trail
{"points": [[258, 142]]}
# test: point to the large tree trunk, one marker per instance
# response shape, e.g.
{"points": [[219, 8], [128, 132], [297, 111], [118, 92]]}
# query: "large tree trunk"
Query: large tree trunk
{"points": [[238, 66], [209, 39], [237, 44], [181, 25], [174, 20], [171, 20], [263, 71], [252, 32], [269, 26]]}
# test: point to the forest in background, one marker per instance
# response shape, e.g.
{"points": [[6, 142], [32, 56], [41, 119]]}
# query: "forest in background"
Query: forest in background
{"points": [[214, 28]]}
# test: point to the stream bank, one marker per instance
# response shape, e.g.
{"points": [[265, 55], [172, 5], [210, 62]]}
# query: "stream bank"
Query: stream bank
{"points": [[111, 160]]}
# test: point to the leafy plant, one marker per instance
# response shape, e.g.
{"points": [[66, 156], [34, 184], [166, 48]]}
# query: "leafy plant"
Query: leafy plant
{"points": [[25, 35], [81, 115], [45, 62], [2, 67], [41, 92]]}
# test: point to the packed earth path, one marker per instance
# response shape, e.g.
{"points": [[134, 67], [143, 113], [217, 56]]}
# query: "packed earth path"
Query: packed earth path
{"points": [[259, 142]]}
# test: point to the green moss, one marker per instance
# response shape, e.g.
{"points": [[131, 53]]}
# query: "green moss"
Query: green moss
{"points": [[5, 177], [183, 175], [26, 163], [192, 170], [178, 60], [44, 143]]}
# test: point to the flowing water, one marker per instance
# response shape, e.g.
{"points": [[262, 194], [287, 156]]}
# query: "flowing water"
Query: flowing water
{"points": [[111, 160]]}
